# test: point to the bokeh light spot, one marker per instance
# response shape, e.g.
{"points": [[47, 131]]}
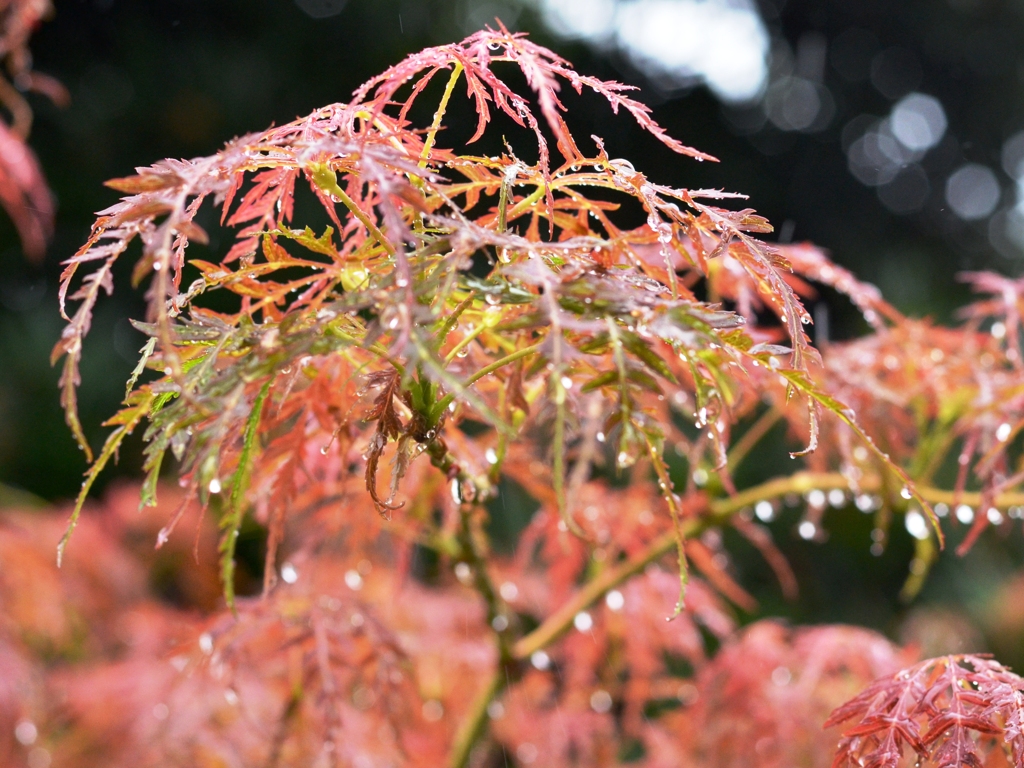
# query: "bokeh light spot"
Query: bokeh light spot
{"points": [[972, 192]]}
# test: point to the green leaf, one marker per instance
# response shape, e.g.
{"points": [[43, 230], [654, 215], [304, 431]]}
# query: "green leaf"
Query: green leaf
{"points": [[232, 521], [640, 349], [801, 382], [308, 239], [146, 352], [147, 494], [601, 380], [126, 419]]}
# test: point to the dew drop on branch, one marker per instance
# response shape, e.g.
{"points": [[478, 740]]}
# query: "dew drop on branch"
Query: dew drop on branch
{"points": [[807, 530], [508, 591], [916, 525], [583, 621], [289, 575], [463, 572], [765, 511], [615, 600]]}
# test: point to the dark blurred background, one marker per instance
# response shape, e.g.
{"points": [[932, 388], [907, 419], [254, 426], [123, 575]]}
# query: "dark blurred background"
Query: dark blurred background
{"points": [[890, 133]]}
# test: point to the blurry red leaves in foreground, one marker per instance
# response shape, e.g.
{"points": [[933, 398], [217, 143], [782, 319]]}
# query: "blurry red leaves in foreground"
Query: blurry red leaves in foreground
{"points": [[394, 334], [119, 660]]}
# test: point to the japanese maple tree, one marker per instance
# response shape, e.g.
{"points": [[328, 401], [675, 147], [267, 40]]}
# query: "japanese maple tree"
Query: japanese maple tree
{"points": [[396, 329]]}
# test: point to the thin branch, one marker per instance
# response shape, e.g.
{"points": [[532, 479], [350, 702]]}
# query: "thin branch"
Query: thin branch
{"points": [[445, 401], [753, 436], [719, 512], [435, 126], [473, 728]]}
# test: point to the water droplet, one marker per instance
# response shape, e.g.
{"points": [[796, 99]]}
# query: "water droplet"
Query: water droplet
{"points": [[765, 511], [540, 660], [994, 516], [491, 455], [1003, 433], [492, 299], [206, 643], [288, 573], [601, 701], [615, 600], [353, 580], [816, 498], [566, 382], [499, 623], [215, 486], [905, 492], [402, 282], [807, 530], [494, 46], [583, 621], [26, 732], [781, 676], [456, 489], [508, 591], [600, 437], [463, 572], [965, 514], [916, 525]]}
